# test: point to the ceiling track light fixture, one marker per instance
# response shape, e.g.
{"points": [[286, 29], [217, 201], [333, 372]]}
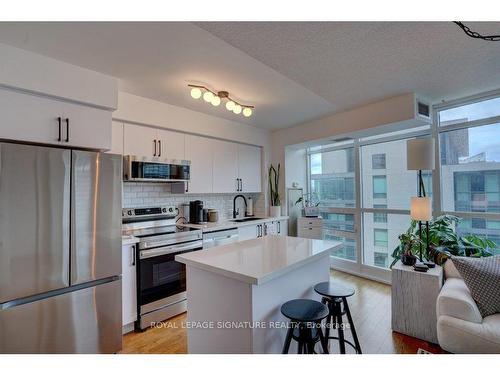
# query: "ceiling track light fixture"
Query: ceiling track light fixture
{"points": [[476, 35], [215, 98]]}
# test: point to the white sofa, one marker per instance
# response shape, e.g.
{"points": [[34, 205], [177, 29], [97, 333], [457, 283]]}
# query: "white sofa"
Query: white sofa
{"points": [[460, 326]]}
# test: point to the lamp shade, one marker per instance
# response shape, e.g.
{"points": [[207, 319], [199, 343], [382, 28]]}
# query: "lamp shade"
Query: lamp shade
{"points": [[421, 208], [420, 154]]}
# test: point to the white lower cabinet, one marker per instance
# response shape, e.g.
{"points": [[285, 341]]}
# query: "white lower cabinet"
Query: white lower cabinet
{"points": [[282, 227], [248, 232], [273, 227], [276, 227], [129, 287]]}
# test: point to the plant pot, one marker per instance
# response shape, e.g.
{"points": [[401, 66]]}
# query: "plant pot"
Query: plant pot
{"points": [[275, 211], [408, 260], [311, 211]]}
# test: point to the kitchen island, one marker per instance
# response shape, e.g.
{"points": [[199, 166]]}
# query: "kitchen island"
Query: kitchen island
{"points": [[235, 291]]}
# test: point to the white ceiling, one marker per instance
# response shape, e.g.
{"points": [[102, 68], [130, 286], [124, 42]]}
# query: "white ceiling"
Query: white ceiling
{"points": [[291, 72], [351, 63], [158, 60]]}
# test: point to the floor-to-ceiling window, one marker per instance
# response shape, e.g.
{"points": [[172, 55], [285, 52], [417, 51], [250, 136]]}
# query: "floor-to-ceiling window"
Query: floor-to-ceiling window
{"points": [[332, 184], [469, 146], [364, 188]]}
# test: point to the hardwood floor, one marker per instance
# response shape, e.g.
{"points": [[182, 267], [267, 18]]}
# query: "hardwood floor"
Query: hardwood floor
{"points": [[370, 309]]}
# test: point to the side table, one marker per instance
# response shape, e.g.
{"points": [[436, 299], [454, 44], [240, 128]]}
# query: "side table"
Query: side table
{"points": [[414, 296]]}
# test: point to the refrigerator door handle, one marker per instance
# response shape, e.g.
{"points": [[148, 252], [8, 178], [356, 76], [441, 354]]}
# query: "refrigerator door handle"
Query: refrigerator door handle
{"points": [[60, 135], [67, 129]]}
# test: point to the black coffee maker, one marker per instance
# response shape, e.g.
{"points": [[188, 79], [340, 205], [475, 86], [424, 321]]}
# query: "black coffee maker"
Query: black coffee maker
{"points": [[196, 212]]}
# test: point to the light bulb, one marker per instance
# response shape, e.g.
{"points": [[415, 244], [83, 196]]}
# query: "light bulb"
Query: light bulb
{"points": [[208, 96], [215, 101], [195, 93], [230, 105], [247, 112], [237, 109]]}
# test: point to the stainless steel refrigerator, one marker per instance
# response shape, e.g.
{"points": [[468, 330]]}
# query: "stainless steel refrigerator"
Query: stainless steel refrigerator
{"points": [[60, 250]]}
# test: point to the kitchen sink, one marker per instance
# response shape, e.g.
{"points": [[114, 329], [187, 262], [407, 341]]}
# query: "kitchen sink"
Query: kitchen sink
{"points": [[245, 219]]}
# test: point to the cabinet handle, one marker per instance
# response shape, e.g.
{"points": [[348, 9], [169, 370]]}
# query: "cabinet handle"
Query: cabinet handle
{"points": [[187, 186], [133, 255], [237, 184], [67, 129], [279, 227], [241, 184], [59, 122], [159, 148], [154, 147]]}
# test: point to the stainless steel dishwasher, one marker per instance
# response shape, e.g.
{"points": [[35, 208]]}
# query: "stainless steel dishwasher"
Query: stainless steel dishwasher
{"points": [[220, 237]]}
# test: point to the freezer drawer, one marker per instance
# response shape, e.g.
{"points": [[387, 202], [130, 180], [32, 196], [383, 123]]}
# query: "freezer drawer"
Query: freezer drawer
{"points": [[83, 321], [34, 220], [96, 239]]}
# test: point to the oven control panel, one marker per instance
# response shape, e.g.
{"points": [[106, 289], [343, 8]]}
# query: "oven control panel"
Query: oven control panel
{"points": [[149, 211]]}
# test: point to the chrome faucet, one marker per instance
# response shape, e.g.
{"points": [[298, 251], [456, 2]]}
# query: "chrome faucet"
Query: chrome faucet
{"points": [[235, 213]]}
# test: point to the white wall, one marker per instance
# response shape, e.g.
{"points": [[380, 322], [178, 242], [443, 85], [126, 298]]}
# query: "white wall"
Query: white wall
{"points": [[139, 110], [398, 109]]}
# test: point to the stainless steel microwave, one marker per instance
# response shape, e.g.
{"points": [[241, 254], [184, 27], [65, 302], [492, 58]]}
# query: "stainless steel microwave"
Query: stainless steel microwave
{"points": [[141, 169]]}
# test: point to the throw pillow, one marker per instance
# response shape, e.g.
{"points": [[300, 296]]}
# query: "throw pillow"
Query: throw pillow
{"points": [[482, 277]]}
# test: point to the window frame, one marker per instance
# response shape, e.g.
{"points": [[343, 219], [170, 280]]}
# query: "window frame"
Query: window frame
{"points": [[434, 131]]}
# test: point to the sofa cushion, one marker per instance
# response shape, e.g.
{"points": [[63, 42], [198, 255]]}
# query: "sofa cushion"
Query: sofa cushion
{"points": [[460, 336], [482, 277], [455, 300]]}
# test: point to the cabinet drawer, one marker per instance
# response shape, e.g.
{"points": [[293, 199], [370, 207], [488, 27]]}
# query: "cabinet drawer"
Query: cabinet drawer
{"points": [[311, 232], [310, 222]]}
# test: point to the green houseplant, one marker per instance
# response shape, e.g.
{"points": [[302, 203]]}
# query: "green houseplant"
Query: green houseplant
{"points": [[274, 195], [444, 242]]}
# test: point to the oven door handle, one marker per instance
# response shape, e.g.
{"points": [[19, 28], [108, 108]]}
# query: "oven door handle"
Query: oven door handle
{"points": [[144, 254]]}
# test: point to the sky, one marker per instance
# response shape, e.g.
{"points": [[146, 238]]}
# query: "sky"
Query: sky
{"points": [[482, 138]]}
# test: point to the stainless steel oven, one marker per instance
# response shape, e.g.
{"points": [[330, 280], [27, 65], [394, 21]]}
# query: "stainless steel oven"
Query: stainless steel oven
{"points": [[155, 170], [161, 281]]}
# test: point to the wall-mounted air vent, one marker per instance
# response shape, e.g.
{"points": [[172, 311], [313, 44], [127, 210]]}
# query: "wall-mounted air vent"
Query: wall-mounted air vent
{"points": [[423, 109], [342, 139]]}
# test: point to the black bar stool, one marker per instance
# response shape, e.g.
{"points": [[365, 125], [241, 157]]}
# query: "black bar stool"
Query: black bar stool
{"points": [[335, 297], [305, 325]]}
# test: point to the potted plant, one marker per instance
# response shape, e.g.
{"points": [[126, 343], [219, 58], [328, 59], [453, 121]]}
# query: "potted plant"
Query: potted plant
{"points": [[310, 208], [409, 241], [444, 242], [274, 195]]}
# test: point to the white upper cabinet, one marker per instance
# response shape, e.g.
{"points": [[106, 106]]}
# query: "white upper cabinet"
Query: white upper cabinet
{"points": [[171, 144], [149, 142], [249, 169], [225, 167], [199, 150], [31, 118], [216, 166], [116, 138], [139, 141]]}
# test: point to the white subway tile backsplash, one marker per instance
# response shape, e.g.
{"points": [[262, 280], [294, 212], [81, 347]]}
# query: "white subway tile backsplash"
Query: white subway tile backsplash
{"points": [[145, 194]]}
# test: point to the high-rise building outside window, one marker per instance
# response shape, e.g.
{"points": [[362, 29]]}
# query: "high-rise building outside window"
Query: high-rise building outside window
{"points": [[378, 161], [379, 187]]}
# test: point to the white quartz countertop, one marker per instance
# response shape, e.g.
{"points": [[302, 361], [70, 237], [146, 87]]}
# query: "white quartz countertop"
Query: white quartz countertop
{"points": [[258, 260], [226, 224]]}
